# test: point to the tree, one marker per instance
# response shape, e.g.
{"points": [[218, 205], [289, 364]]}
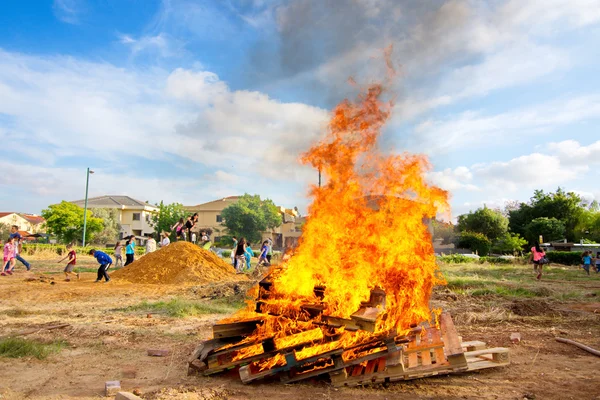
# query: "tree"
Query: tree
{"points": [[486, 221], [443, 230], [250, 216], [510, 243], [166, 217], [588, 226], [474, 241], [110, 225], [549, 228], [563, 206], [4, 230], [65, 221]]}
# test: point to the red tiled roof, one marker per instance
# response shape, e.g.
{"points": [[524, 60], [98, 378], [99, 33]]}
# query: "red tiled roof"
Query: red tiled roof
{"points": [[34, 219], [4, 214]]}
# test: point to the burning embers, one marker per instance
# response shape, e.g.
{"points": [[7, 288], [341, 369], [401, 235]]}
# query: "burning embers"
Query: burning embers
{"points": [[353, 300]]}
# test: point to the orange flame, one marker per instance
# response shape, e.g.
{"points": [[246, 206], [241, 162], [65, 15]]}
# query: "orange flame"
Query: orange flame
{"points": [[366, 229]]}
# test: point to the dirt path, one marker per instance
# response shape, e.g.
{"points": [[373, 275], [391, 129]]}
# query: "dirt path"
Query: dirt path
{"points": [[107, 342]]}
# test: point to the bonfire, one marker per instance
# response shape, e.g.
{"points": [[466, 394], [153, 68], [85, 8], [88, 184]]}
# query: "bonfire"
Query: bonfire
{"points": [[352, 302]]}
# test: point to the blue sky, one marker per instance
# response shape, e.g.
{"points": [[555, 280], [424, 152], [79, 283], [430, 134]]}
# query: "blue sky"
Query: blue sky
{"points": [[189, 100]]}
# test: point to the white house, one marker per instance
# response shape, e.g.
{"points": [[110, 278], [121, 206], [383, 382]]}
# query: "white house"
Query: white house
{"points": [[134, 215]]}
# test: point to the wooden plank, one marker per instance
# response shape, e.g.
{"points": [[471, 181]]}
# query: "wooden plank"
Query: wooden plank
{"points": [[413, 355], [476, 353], [426, 357], [473, 345], [381, 363], [452, 344], [370, 368], [236, 329]]}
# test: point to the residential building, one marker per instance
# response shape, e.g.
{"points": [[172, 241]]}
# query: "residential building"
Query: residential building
{"points": [[209, 218], [134, 215], [29, 223]]}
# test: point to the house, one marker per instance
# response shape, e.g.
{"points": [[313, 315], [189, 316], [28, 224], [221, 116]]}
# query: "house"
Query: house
{"points": [[209, 218], [29, 223], [134, 215]]}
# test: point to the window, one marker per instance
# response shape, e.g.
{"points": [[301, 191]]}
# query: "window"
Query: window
{"points": [[136, 216], [219, 218], [148, 218]]}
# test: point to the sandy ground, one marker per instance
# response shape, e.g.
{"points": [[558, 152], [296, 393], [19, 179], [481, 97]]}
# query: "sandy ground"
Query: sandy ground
{"points": [[106, 343]]}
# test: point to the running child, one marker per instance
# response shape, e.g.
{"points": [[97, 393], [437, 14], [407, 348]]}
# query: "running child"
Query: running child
{"points": [[587, 261], [9, 257], [105, 262], [118, 254], [72, 256], [262, 259], [248, 254]]}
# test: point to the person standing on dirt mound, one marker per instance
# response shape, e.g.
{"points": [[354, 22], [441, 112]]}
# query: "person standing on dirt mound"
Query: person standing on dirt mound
{"points": [[189, 224], [129, 252], [105, 262]]}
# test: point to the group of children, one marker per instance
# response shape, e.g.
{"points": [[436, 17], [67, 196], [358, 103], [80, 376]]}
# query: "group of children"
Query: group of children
{"points": [[242, 253], [588, 261], [12, 250]]}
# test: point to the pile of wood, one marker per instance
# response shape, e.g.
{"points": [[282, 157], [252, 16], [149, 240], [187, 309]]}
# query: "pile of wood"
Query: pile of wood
{"points": [[383, 357]]}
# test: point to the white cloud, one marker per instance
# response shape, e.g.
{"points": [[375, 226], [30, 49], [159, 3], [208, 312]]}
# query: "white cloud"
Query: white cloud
{"points": [[65, 107], [571, 152], [67, 10], [530, 171], [161, 44], [453, 179], [201, 87], [473, 130]]}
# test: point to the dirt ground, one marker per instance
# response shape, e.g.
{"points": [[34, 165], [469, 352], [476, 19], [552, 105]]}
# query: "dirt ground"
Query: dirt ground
{"points": [[106, 342]]}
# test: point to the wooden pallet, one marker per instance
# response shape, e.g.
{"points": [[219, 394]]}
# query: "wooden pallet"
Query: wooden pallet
{"points": [[435, 352], [424, 351]]}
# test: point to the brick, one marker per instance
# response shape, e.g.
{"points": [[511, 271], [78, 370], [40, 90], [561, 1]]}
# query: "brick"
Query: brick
{"points": [[111, 388], [126, 396], [158, 352], [515, 337], [129, 372]]}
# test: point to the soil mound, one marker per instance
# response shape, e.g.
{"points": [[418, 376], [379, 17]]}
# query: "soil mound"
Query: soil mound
{"points": [[178, 263]]}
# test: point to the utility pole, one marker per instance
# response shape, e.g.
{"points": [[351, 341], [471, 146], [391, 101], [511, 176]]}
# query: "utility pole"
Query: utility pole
{"points": [[87, 182]]}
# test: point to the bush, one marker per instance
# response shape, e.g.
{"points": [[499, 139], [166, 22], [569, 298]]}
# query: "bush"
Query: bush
{"points": [[496, 260], [476, 242], [564, 257], [457, 259]]}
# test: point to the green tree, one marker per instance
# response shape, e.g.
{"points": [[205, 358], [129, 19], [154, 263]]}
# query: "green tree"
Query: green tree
{"points": [[110, 225], [65, 221], [4, 230], [166, 217], [474, 241], [510, 243], [443, 230], [486, 221], [549, 228], [588, 226], [250, 216], [563, 206]]}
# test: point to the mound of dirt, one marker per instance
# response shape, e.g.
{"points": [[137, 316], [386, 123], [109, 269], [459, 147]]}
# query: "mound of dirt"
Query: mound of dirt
{"points": [[179, 263], [530, 308]]}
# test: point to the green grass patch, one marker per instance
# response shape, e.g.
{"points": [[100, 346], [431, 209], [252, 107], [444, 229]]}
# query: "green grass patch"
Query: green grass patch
{"points": [[182, 308], [18, 348]]}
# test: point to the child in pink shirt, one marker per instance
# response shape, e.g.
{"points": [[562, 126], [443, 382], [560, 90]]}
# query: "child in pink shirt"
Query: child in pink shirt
{"points": [[9, 257]]}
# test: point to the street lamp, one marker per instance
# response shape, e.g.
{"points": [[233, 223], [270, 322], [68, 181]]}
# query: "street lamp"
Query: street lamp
{"points": [[87, 182]]}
